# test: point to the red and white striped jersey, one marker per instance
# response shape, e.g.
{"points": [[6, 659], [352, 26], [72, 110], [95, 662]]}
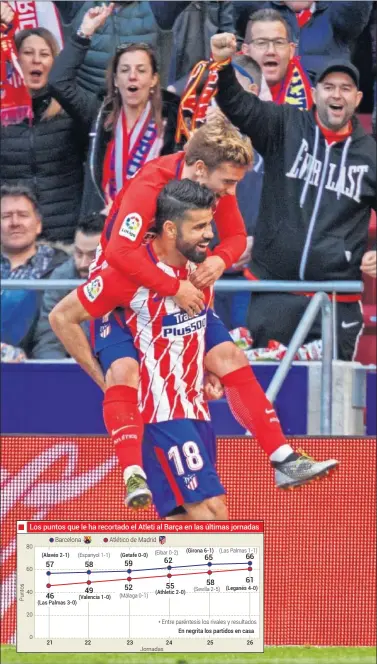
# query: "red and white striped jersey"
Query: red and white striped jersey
{"points": [[171, 345]]}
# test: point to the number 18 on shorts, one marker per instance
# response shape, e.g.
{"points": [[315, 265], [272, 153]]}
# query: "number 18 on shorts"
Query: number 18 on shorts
{"points": [[179, 459]]}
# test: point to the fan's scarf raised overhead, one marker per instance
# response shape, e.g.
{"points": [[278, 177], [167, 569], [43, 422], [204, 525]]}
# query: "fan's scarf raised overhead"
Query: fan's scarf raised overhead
{"points": [[16, 103], [15, 99], [127, 152], [194, 104], [295, 88], [39, 15]]}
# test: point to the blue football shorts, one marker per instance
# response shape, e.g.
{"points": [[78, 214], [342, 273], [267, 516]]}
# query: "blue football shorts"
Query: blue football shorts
{"points": [[179, 459], [111, 340]]}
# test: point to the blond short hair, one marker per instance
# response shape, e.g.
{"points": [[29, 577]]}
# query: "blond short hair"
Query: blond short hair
{"points": [[216, 142]]}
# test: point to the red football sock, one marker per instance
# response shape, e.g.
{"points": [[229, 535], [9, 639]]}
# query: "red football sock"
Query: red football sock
{"points": [[252, 409], [124, 424]]}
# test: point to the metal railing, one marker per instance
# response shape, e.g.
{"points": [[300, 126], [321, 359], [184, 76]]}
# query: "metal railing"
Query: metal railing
{"points": [[223, 285], [320, 301]]}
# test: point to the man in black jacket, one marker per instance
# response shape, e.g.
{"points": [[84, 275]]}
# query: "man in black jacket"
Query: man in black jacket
{"points": [[319, 187]]}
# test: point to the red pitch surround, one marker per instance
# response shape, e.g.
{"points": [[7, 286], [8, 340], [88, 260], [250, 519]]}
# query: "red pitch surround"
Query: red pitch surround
{"points": [[320, 540]]}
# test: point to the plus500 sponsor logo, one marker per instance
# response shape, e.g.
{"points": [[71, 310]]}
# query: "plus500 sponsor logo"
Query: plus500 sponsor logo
{"points": [[180, 325]]}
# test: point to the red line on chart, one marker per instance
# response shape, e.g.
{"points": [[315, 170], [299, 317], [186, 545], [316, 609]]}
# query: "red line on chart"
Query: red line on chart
{"points": [[241, 569], [160, 576]]}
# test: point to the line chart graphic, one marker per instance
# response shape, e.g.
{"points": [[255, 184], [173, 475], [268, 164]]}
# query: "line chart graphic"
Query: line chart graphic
{"points": [[140, 586]]}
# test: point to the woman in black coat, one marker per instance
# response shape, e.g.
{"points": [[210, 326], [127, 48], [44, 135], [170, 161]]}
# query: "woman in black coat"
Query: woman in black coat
{"points": [[45, 154]]}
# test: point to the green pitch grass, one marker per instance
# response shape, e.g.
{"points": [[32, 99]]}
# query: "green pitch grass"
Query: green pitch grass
{"points": [[272, 655]]}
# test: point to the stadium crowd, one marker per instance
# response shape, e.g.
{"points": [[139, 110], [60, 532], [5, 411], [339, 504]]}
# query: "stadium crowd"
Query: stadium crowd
{"points": [[94, 91]]}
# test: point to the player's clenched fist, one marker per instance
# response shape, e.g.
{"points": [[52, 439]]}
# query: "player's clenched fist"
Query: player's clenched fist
{"points": [[223, 46], [213, 388], [189, 298]]}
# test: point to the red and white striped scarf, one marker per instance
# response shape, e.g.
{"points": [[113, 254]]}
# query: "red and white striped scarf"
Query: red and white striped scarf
{"points": [[15, 99], [127, 152], [39, 15]]}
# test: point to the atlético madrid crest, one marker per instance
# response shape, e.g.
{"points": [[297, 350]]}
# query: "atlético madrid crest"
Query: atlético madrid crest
{"points": [[191, 482], [104, 330]]}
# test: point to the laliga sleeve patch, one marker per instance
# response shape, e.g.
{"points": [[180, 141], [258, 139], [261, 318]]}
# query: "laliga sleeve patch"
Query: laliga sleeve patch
{"points": [[93, 289], [131, 226]]}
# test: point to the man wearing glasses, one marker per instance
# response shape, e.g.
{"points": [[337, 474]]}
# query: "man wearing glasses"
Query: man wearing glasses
{"points": [[268, 42]]}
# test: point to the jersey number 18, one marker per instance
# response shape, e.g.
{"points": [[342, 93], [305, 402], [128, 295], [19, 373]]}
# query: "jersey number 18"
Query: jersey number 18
{"points": [[191, 454]]}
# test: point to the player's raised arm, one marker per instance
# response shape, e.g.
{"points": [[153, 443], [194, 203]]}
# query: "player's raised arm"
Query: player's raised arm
{"points": [[262, 121]]}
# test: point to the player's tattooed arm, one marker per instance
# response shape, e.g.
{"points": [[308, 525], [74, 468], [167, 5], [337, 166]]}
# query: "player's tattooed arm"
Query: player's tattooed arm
{"points": [[65, 320]]}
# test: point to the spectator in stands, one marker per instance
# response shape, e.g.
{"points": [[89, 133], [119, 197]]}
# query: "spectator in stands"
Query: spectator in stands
{"points": [[46, 153], [128, 125], [318, 191], [268, 41], [130, 22], [321, 30], [22, 257], [46, 345]]}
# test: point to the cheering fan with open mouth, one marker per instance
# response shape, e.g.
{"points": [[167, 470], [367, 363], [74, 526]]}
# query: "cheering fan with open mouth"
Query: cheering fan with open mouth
{"points": [[41, 145], [126, 127]]}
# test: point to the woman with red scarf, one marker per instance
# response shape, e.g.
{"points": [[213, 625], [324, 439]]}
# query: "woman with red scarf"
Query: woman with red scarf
{"points": [[128, 126], [41, 146]]}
